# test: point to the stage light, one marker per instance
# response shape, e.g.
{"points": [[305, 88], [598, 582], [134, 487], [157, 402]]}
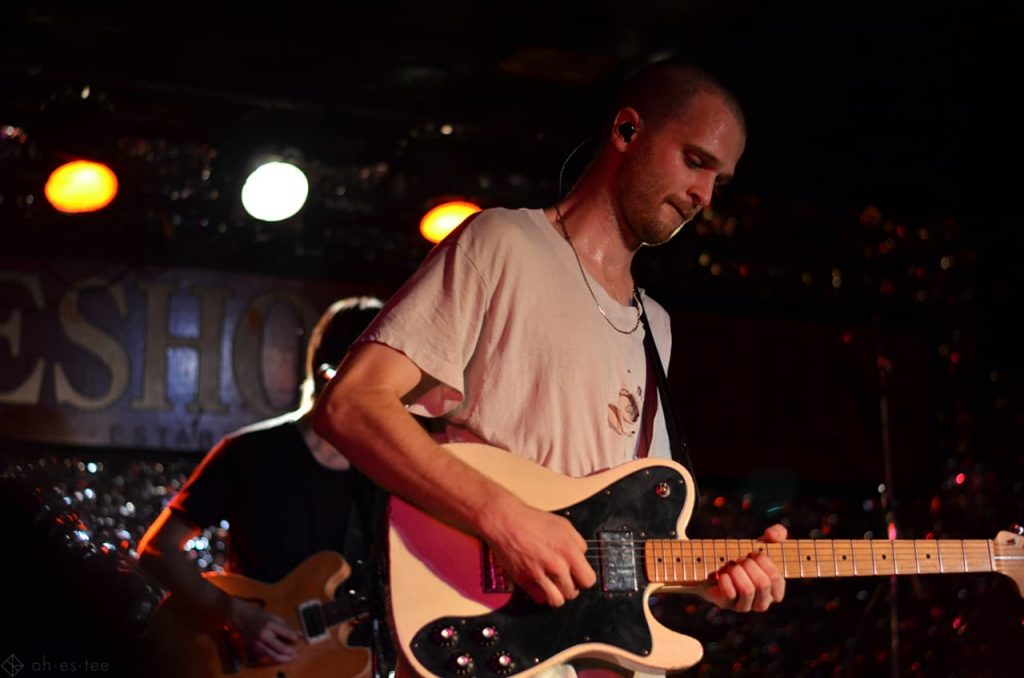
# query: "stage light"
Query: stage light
{"points": [[275, 191], [443, 219], [81, 186]]}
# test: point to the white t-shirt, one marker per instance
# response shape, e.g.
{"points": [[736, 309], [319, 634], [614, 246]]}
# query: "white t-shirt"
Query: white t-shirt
{"points": [[500, 316]]}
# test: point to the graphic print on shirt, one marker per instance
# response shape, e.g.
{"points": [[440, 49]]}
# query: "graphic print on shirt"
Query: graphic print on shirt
{"points": [[624, 415]]}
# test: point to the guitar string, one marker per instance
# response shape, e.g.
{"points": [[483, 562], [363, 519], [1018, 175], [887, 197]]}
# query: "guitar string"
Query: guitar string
{"points": [[904, 552], [980, 558], [640, 546], [902, 549], [709, 567], [975, 553], [702, 561], [898, 543], [669, 543]]}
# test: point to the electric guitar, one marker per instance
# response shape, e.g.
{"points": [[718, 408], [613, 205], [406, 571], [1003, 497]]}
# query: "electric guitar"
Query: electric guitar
{"points": [[454, 614], [304, 598]]}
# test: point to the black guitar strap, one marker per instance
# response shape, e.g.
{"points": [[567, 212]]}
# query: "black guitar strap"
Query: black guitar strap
{"points": [[676, 434]]}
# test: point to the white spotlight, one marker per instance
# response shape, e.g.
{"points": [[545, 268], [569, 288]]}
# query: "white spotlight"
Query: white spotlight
{"points": [[275, 191]]}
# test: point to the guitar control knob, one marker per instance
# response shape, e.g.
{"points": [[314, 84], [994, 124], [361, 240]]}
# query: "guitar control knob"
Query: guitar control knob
{"points": [[446, 636], [502, 663], [461, 664], [487, 635]]}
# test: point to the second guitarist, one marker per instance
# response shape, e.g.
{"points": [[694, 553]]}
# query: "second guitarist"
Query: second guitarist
{"points": [[285, 495]]}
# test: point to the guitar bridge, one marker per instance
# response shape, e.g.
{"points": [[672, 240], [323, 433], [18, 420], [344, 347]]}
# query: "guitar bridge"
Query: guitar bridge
{"points": [[618, 561], [494, 578]]}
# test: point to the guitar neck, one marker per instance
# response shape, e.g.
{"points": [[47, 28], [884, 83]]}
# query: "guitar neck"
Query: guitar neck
{"points": [[684, 563], [339, 610]]}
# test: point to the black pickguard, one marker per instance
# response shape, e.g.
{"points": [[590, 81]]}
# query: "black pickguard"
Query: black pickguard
{"points": [[529, 633]]}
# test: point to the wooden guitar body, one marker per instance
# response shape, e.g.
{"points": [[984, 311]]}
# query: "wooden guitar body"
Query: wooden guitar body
{"points": [[181, 649]]}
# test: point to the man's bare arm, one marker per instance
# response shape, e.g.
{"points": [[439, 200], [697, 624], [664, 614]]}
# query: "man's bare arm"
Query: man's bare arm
{"points": [[362, 413]]}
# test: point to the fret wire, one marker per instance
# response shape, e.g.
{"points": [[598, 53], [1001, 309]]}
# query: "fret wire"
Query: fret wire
{"points": [[653, 561], [661, 559], [664, 565]]}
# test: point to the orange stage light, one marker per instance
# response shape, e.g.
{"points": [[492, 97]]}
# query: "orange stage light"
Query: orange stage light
{"points": [[81, 186], [443, 219]]}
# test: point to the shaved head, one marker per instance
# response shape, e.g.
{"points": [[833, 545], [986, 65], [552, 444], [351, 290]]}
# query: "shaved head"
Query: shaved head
{"points": [[663, 90]]}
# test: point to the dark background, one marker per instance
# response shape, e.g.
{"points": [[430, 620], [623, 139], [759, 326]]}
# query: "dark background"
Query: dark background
{"points": [[885, 147]]}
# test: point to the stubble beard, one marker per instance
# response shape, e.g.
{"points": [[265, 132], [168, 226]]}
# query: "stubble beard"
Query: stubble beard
{"points": [[642, 208]]}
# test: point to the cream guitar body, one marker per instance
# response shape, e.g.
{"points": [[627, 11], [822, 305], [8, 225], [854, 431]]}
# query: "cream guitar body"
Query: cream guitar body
{"points": [[453, 613]]}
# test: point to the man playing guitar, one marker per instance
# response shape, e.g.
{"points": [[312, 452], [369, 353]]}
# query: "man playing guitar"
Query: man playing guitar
{"points": [[286, 493], [523, 330]]}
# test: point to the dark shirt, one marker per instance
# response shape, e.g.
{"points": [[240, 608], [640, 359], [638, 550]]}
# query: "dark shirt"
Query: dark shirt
{"points": [[282, 505]]}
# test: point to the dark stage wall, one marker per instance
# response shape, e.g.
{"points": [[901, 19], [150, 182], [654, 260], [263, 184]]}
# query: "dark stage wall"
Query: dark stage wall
{"points": [[771, 397]]}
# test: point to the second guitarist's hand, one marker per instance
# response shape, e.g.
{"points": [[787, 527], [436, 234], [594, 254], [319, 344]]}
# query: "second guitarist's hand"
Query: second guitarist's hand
{"points": [[749, 583], [541, 552], [266, 633], [161, 554]]}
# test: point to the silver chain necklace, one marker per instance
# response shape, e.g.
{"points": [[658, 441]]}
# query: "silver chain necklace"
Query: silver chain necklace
{"points": [[636, 296]]}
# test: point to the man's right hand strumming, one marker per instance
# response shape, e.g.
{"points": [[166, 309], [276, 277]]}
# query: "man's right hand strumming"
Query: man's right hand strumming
{"points": [[541, 552]]}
